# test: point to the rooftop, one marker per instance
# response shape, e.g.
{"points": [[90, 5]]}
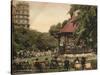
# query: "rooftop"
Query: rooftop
{"points": [[69, 27]]}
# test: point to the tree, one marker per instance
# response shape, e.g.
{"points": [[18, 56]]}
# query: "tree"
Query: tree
{"points": [[64, 23], [28, 40], [23, 39], [54, 29], [87, 21], [45, 41]]}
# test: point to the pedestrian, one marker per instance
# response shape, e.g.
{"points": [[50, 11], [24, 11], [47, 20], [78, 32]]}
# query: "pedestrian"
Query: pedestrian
{"points": [[83, 61], [41, 67], [66, 64], [46, 64], [77, 64], [56, 65], [37, 65], [52, 64]]}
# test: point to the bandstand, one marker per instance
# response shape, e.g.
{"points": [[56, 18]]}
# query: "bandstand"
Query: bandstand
{"points": [[66, 39]]}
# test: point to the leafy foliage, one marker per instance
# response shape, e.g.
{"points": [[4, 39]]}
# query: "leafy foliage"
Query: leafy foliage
{"points": [[26, 40], [55, 28], [64, 23], [46, 41], [87, 21]]}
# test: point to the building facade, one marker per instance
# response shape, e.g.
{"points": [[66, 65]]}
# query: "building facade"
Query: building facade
{"points": [[20, 15]]}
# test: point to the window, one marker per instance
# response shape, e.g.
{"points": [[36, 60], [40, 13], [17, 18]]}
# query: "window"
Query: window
{"points": [[25, 12], [16, 16], [21, 21], [21, 16], [25, 17], [16, 21], [25, 21], [21, 12]]}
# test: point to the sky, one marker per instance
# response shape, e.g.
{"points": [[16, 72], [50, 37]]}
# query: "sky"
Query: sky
{"points": [[43, 15]]}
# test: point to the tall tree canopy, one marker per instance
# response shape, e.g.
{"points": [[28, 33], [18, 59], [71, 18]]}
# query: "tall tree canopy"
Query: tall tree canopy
{"points": [[87, 21], [28, 40], [46, 42], [54, 29]]}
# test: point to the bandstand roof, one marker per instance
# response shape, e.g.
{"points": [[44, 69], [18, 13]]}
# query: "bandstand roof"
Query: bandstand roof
{"points": [[70, 27]]}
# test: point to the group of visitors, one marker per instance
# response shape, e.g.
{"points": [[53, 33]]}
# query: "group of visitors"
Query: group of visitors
{"points": [[54, 64]]}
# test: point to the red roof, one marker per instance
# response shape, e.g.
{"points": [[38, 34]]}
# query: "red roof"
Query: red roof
{"points": [[69, 27]]}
